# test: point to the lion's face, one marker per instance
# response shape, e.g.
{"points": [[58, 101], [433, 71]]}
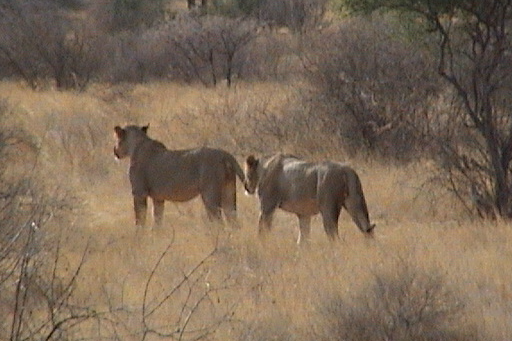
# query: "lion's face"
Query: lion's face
{"points": [[251, 174], [126, 139], [120, 149]]}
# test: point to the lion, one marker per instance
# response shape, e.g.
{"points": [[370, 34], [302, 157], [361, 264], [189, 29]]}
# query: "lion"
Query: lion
{"points": [[177, 175], [306, 189]]}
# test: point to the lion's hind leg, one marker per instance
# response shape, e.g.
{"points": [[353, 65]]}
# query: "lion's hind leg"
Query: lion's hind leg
{"points": [[212, 199], [268, 206], [140, 205], [158, 212], [304, 229], [330, 211], [229, 203]]}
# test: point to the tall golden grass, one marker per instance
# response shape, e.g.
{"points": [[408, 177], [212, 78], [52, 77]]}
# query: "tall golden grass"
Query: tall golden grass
{"points": [[270, 290]]}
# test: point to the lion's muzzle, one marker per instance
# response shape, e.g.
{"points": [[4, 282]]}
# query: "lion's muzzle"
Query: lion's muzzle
{"points": [[116, 153], [370, 231], [249, 189]]}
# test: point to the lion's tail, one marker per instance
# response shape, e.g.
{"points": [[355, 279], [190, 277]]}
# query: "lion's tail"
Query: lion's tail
{"points": [[355, 189], [356, 202], [233, 164]]}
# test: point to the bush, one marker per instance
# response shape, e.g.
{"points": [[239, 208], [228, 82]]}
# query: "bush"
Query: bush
{"points": [[373, 86], [205, 49], [40, 41], [36, 299], [403, 306], [297, 15], [257, 125], [127, 15]]}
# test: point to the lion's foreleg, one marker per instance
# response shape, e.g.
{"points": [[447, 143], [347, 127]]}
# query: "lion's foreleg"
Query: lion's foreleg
{"points": [[140, 205], [265, 224], [304, 229]]}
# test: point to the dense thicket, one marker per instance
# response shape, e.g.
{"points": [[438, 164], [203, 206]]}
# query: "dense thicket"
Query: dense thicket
{"points": [[373, 81], [473, 58]]}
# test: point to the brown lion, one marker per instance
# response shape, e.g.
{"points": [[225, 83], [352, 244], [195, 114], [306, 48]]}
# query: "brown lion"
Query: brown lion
{"points": [[306, 189], [177, 175]]}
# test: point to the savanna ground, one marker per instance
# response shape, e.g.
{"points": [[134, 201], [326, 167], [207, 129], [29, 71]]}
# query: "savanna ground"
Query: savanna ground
{"points": [[431, 273]]}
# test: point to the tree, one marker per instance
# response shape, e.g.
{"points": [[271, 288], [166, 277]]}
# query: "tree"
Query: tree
{"points": [[211, 48], [372, 86], [40, 41], [474, 58]]}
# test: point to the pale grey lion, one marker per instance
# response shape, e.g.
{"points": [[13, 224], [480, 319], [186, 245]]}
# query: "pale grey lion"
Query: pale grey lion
{"points": [[306, 189], [177, 175]]}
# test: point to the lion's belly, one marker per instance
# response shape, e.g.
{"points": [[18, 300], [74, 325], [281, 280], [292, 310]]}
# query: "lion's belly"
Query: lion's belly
{"points": [[175, 193], [303, 206], [299, 195], [174, 185]]}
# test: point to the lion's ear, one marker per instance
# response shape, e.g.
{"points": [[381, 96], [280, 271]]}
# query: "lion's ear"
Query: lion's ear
{"points": [[119, 131], [252, 161], [145, 128]]}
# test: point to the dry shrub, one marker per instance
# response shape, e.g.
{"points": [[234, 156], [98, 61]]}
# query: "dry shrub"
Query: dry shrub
{"points": [[190, 303], [37, 283], [372, 85], [258, 124], [205, 49], [299, 15], [42, 41], [80, 142], [407, 304]]}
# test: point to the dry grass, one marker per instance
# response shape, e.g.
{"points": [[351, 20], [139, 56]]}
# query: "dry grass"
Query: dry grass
{"points": [[262, 291]]}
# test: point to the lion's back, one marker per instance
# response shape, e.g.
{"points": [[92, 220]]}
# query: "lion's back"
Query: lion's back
{"points": [[167, 171]]}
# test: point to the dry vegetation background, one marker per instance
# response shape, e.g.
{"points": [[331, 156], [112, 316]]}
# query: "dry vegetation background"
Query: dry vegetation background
{"points": [[431, 273], [260, 77]]}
